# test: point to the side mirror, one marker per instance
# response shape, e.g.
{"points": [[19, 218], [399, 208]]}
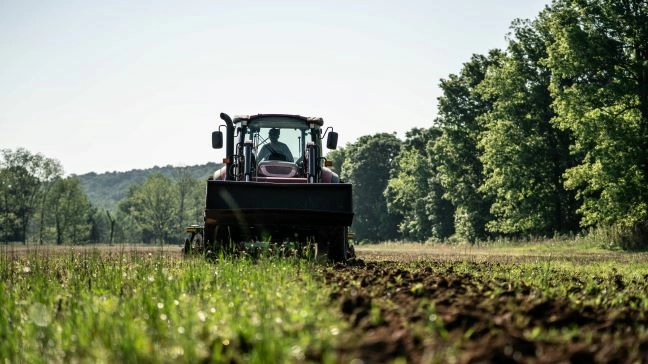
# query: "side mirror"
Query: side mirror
{"points": [[331, 140], [217, 139]]}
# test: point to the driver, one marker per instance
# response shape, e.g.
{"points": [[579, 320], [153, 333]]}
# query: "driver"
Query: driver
{"points": [[275, 150]]}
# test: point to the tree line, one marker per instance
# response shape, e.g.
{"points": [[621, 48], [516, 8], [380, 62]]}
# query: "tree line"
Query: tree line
{"points": [[38, 204], [106, 190], [548, 136]]}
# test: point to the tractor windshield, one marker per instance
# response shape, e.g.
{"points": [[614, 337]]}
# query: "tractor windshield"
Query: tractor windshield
{"points": [[279, 141], [279, 144]]}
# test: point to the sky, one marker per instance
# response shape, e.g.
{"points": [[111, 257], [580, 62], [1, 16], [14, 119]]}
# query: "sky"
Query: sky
{"points": [[127, 84]]}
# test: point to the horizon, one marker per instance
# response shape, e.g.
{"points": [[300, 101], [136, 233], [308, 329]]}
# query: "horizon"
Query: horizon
{"points": [[144, 169]]}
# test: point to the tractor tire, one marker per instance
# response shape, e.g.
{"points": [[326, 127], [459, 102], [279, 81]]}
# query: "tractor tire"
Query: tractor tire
{"points": [[333, 241], [210, 234], [187, 247], [222, 240], [195, 244]]}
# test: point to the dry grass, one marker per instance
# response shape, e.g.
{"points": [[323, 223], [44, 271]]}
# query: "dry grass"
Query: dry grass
{"points": [[390, 251], [519, 253], [15, 250]]}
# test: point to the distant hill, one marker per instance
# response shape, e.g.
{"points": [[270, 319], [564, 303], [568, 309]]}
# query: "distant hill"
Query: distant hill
{"points": [[105, 190]]}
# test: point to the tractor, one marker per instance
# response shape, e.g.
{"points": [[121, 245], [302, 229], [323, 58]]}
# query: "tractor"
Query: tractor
{"points": [[275, 190]]}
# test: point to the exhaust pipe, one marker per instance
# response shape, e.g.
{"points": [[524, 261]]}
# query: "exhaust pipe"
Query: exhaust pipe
{"points": [[229, 146]]}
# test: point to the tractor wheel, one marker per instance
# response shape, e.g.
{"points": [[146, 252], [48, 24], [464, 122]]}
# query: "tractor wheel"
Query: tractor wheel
{"points": [[210, 234], [334, 242], [195, 244], [222, 239], [187, 247]]}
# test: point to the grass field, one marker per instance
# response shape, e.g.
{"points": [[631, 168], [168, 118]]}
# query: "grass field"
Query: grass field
{"points": [[138, 306], [413, 302]]}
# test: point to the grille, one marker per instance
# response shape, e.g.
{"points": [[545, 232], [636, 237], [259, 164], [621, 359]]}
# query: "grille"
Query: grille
{"points": [[278, 170]]}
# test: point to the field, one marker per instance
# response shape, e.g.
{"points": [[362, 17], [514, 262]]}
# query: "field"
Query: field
{"points": [[396, 302]]}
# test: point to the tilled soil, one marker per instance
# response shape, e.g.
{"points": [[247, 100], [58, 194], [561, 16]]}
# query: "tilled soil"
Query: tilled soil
{"points": [[428, 312]]}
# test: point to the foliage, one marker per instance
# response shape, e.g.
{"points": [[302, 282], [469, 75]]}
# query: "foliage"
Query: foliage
{"points": [[190, 196], [336, 157], [600, 85], [406, 195], [176, 195], [105, 190], [551, 131], [36, 204], [68, 215], [126, 229], [159, 209], [153, 206], [25, 179], [456, 152], [524, 155], [413, 192], [17, 186], [366, 166]]}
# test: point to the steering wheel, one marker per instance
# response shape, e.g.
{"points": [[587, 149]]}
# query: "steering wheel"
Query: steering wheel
{"points": [[274, 156]]}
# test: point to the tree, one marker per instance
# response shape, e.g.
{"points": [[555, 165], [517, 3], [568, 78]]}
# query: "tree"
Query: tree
{"points": [[111, 226], [366, 166], [524, 156], [414, 193], [126, 229], [17, 186], [26, 180], [336, 157], [187, 187], [153, 206], [52, 171], [599, 65], [460, 170], [69, 211], [196, 202]]}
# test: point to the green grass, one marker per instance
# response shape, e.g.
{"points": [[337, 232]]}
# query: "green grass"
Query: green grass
{"points": [[607, 283], [91, 307]]}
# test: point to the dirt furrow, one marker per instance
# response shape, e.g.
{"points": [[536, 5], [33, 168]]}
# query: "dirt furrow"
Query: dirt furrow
{"points": [[427, 312]]}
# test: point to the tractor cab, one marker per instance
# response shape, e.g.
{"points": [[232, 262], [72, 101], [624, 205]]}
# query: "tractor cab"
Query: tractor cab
{"points": [[278, 138], [273, 147]]}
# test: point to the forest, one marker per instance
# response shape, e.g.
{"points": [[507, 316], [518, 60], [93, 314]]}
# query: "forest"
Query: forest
{"points": [[38, 204], [547, 137]]}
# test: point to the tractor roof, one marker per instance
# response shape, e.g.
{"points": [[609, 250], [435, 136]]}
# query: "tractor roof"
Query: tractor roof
{"points": [[278, 118]]}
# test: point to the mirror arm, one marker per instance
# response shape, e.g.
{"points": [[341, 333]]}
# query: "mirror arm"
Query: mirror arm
{"points": [[330, 128]]}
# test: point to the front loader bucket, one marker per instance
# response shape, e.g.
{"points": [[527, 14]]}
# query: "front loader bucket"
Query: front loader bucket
{"points": [[236, 203]]}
